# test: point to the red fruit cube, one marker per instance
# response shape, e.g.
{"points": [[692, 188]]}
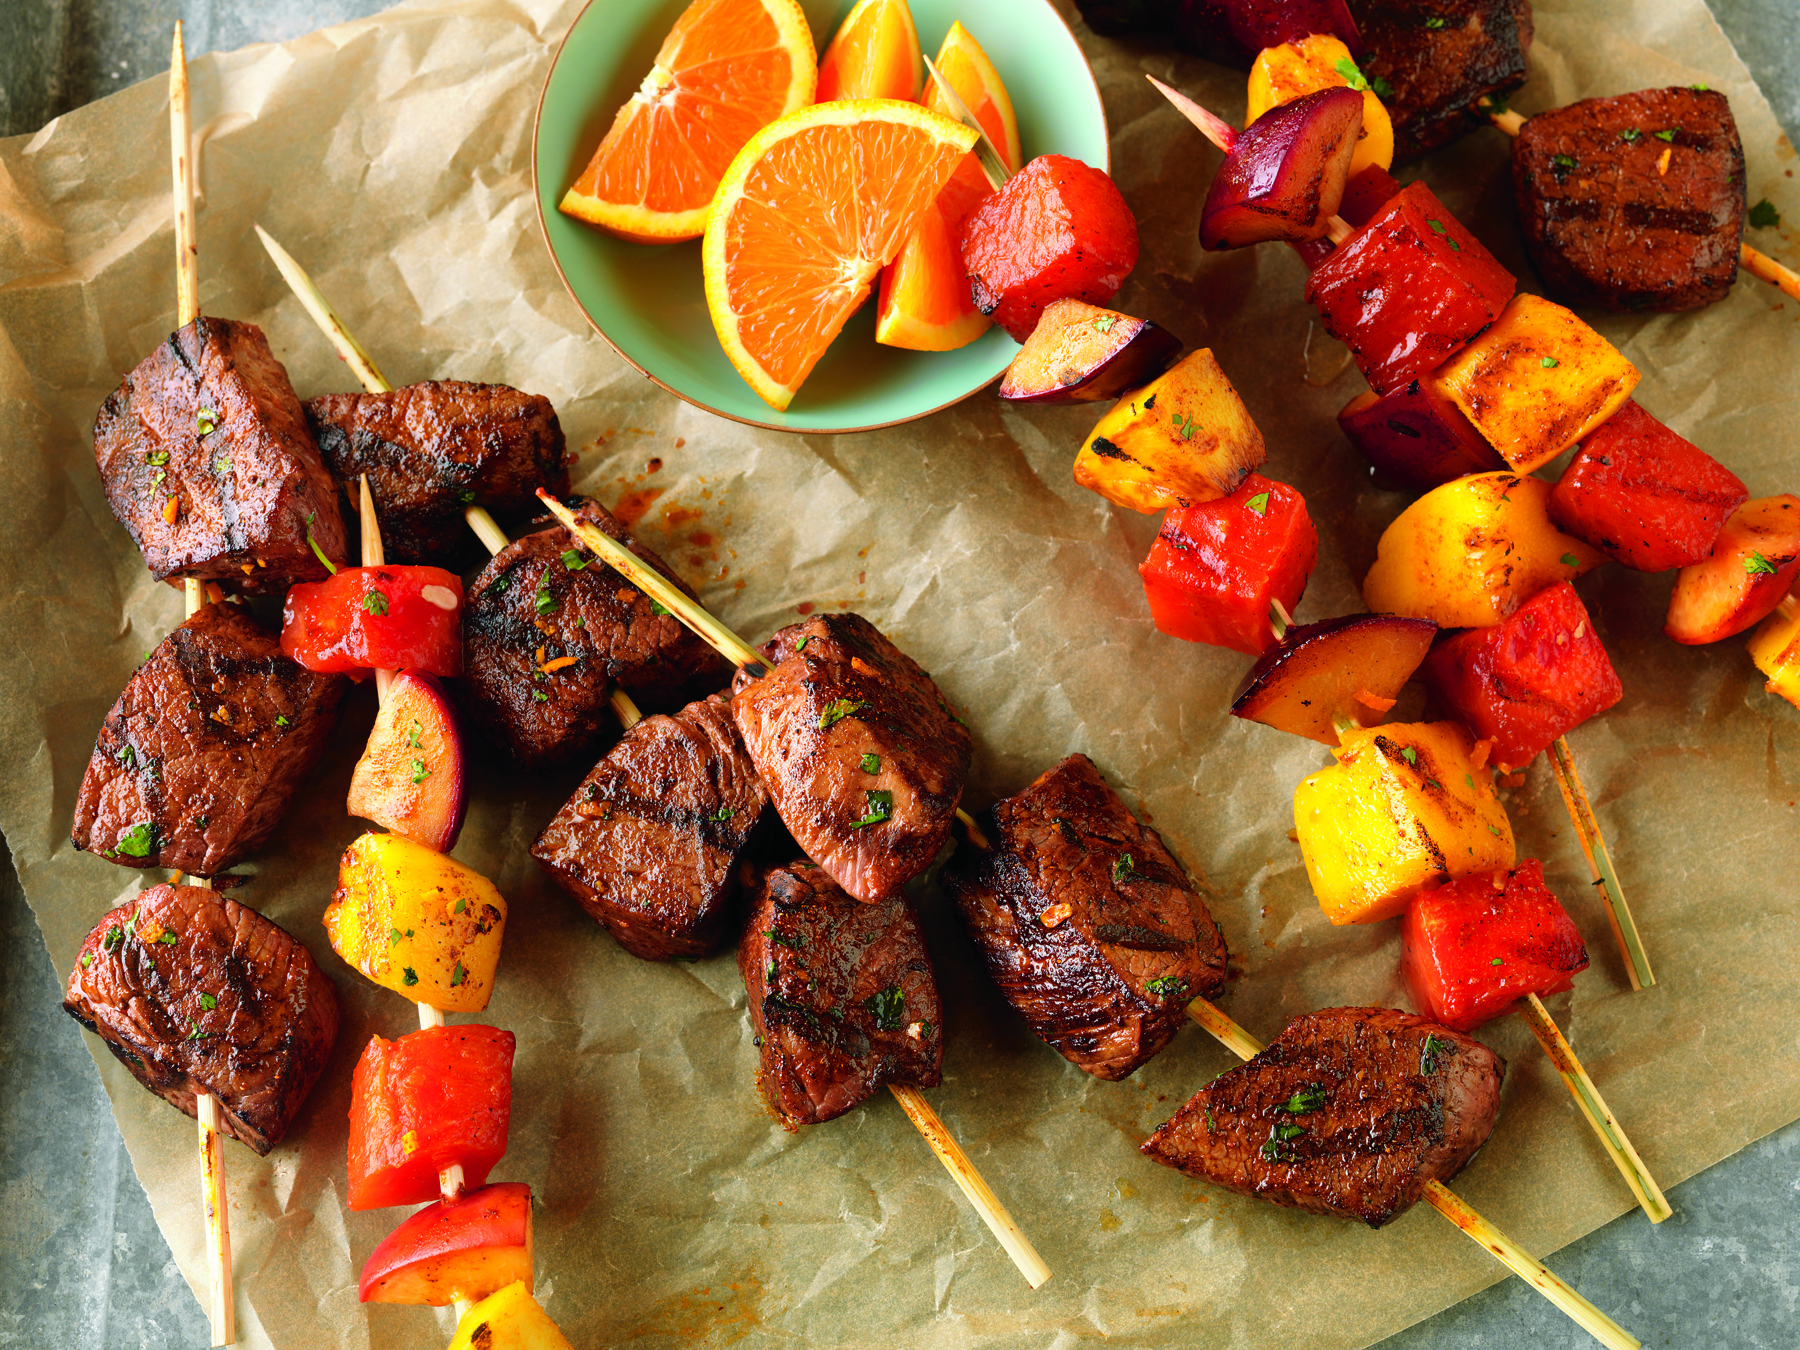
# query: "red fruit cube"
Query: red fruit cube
{"points": [[1366, 193], [1215, 568], [420, 1103], [1057, 230], [1524, 682], [1408, 290], [1643, 495], [1417, 435], [1476, 946]]}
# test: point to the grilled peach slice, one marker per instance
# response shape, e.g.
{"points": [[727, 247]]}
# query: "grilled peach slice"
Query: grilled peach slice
{"points": [[1752, 566], [466, 1248], [412, 777], [1080, 353]]}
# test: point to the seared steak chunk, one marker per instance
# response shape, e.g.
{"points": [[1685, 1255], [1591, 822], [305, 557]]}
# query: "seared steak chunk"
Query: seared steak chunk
{"points": [[432, 450], [651, 841], [1350, 1111], [1635, 201], [543, 599], [842, 996], [195, 993], [862, 756], [1441, 58], [208, 462], [194, 765], [1086, 922]]}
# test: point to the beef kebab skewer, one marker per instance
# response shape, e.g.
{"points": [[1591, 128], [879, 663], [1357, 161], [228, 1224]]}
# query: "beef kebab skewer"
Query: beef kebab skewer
{"points": [[1561, 757]]}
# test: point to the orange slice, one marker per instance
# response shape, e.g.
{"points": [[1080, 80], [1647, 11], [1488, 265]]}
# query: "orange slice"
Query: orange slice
{"points": [[807, 215], [924, 303], [726, 68], [875, 54]]}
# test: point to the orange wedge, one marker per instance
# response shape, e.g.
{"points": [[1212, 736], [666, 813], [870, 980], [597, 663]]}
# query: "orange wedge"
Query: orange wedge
{"points": [[924, 303], [875, 54], [805, 218], [726, 68]]}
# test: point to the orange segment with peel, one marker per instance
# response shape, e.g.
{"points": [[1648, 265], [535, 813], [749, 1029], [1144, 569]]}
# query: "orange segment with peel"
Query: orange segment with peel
{"points": [[806, 217], [924, 303], [874, 54], [726, 68]]}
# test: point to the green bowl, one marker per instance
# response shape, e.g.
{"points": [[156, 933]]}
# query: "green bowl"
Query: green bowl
{"points": [[649, 301]]}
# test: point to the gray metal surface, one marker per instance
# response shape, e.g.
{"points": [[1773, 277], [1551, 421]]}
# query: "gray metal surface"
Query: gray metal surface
{"points": [[82, 1263]]}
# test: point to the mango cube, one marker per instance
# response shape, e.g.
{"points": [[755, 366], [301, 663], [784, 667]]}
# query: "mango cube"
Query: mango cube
{"points": [[1537, 381], [1469, 553], [508, 1319], [417, 922], [1183, 439], [1775, 648], [1294, 69], [1403, 808]]}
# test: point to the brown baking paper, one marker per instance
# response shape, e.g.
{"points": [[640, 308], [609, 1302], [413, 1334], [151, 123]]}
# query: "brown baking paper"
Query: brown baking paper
{"points": [[391, 157]]}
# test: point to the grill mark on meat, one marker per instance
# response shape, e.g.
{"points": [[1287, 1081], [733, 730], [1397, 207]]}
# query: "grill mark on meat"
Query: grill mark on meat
{"points": [[842, 996], [1440, 75], [261, 1044], [1609, 222], [611, 628], [841, 695], [651, 842], [1086, 921], [1350, 1111], [252, 513], [195, 753], [432, 449]]}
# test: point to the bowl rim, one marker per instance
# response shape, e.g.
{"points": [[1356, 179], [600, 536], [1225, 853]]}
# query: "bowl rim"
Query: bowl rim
{"points": [[537, 201]]}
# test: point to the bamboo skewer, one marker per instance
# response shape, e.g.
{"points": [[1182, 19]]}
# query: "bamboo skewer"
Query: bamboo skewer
{"points": [[1441, 1198], [741, 654], [222, 1309], [1562, 759], [1618, 1147], [1759, 265]]}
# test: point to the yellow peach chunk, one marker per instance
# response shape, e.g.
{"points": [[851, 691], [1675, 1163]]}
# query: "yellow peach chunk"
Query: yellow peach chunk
{"points": [[1403, 808], [417, 922], [509, 1319], [1468, 553], [1182, 439], [1294, 69], [1775, 647], [1537, 381]]}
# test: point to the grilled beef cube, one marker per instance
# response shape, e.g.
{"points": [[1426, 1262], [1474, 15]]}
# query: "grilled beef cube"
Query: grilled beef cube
{"points": [[862, 756], [194, 765], [432, 450], [1351, 1111], [1086, 922], [1633, 202], [651, 841], [542, 599], [1441, 58], [842, 996], [209, 422], [195, 993]]}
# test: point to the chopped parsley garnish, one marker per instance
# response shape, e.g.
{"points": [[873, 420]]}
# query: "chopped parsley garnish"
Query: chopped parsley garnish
{"points": [[394, 936], [546, 602], [1570, 560], [1763, 215], [1757, 565], [167, 938], [1437, 226], [1105, 322], [722, 814], [1166, 987], [789, 940], [498, 585], [836, 711], [375, 603], [1410, 755], [140, 840], [127, 756], [658, 607], [573, 560], [1494, 962], [221, 464], [1549, 363], [156, 457], [206, 421], [1186, 428], [1469, 778], [1352, 76], [881, 807], [1563, 162], [466, 497], [196, 1033], [313, 544], [1259, 504], [539, 696], [800, 646], [1273, 1149], [114, 936], [1307, 1099], [1631, 135], [208, 1002], [419, 772], [87, 962], [871, 763], [1435, 22], [282, 721], [412, 736], [1428, 1056], [458, 975], [1494, 830], [409, 976], [888, 1008], [1668, 135], [1125, 869], [459, 907]]}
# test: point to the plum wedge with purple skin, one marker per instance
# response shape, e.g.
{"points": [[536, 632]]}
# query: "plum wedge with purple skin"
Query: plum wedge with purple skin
{"points": [[1286, 172], [1080, 353], [1230, 32], [412, 778], [1323, 674]]}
